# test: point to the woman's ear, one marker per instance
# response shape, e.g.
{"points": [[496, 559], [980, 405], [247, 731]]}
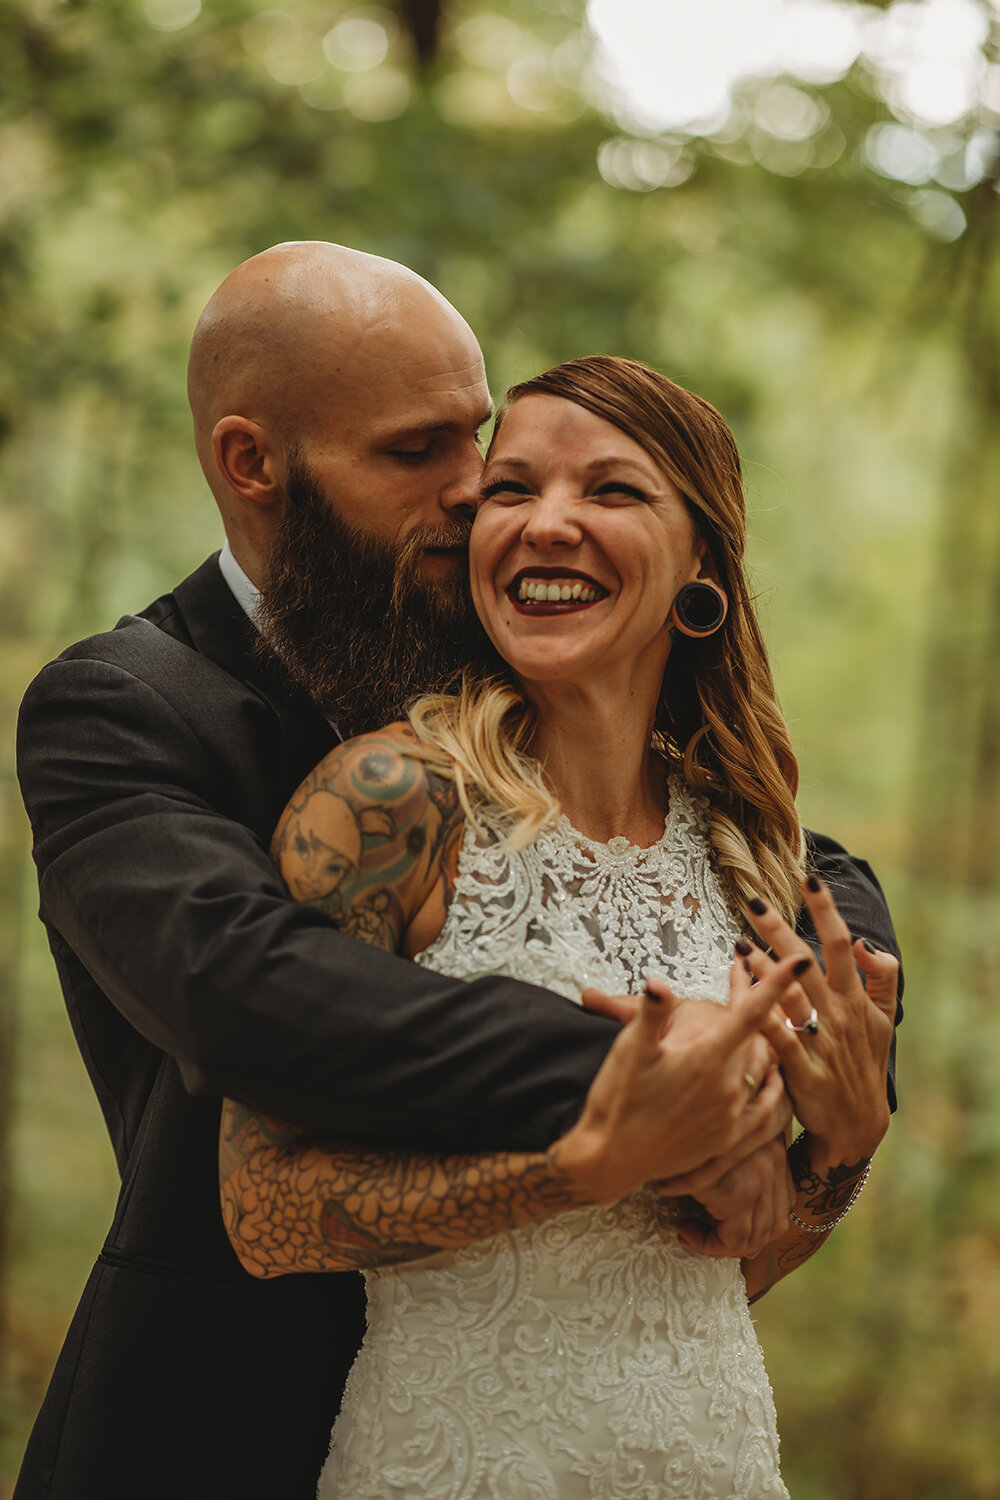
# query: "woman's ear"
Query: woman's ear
{"points": [[707, 566], [245, 459], [701, 604]]}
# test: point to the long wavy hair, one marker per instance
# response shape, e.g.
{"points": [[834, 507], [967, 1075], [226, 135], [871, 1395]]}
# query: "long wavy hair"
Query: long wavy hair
{"points": [[717, 720]]}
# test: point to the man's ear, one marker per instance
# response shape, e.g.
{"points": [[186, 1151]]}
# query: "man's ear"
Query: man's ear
{"points": [[245, 458]]}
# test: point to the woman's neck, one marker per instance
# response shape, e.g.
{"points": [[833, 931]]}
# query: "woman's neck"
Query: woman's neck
{"points": [[595, 749]]}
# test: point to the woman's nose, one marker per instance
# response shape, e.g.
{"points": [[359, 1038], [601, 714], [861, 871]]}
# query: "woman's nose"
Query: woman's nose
{"points": [[552, 521]]}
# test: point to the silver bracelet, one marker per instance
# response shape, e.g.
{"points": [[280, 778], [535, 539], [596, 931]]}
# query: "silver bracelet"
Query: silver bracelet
{"points": [[825, 1228]]}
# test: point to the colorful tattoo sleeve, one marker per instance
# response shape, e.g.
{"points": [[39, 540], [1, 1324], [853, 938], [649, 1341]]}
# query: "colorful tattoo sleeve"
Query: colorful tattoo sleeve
{"points": [[366, 837]]}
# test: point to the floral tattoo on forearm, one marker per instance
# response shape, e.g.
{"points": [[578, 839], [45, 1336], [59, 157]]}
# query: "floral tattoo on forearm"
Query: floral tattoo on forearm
{"points": [[301, 1205], [822, 1198]]}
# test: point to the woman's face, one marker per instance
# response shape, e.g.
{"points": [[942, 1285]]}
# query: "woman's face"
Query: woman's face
{"points": [[579, 546]]}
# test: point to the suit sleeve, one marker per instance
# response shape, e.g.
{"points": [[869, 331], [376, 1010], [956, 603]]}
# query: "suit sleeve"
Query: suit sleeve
{"points": [[178, 914], [863, 907]]}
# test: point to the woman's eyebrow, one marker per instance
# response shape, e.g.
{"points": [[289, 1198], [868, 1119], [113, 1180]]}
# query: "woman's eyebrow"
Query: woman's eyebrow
{"points": [[596, 466]]}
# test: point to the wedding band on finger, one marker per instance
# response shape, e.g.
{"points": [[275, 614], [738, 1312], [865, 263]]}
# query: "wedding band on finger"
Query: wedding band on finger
{"points": [[810, 1027]]}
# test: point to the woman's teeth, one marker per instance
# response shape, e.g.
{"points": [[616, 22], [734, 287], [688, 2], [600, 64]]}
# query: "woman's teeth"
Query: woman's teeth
{"points": [[547, 591]]}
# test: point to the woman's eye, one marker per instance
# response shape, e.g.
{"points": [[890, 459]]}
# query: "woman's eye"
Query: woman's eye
{"points": [[614, 487], [507, 491]]}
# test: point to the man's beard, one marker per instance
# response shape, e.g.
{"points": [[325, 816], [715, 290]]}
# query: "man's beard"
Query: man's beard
{"points": [[349, 618]]}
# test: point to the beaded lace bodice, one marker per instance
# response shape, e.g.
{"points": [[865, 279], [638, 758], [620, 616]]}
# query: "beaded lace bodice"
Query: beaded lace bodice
{"points": [[590, 1355]]}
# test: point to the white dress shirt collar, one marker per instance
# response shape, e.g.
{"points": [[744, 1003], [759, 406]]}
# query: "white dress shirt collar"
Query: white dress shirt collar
{"points": [[246, 594]]}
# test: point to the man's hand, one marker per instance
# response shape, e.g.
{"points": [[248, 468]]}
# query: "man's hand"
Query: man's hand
{"points": [[750, 1205]]}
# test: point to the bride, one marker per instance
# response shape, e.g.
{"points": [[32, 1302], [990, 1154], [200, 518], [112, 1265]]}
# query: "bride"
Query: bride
{"points": [[609, 809]]}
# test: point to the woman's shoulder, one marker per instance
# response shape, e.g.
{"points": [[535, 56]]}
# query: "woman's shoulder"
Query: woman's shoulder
{"points": [[364, 835]]}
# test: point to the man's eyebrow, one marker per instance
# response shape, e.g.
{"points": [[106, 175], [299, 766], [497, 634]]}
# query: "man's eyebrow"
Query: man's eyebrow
{"points": [[425, 429]]}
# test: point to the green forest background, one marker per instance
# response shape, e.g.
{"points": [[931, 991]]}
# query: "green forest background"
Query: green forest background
{"points": [[843, 314]]}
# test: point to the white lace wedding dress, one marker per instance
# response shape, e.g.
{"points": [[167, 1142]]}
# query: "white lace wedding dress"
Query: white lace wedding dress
{"points": [[590, 1357]]}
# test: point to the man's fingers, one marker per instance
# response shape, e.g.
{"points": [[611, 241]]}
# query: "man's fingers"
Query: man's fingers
{"points": [[695, 1236], [733, 1242], [698, 1181], [623, 1008]]}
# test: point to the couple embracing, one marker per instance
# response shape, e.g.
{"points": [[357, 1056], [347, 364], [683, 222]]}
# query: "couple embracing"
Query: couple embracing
{"points": [[583, 791]]}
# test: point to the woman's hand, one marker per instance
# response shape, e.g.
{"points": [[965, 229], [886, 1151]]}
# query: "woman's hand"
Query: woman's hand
{"points": [[685, 1082], [836, 1075]]}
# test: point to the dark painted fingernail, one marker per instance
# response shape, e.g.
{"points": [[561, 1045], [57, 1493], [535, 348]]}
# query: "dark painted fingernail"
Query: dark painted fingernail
{"points": [[748, 968], [870, 946], [742, 946], [801, 967], [814, 883], [651, 996], [757, 906]]}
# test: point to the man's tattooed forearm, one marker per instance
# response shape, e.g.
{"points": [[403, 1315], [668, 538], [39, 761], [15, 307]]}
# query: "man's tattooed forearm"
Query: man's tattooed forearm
{"points": [[292, 1205]]}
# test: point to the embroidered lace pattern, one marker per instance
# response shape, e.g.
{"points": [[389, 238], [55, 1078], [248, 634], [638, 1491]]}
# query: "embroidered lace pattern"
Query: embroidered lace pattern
{"points": [[590, 1357]]}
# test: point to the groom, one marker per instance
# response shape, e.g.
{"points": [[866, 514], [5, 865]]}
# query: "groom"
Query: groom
{"points": [[336, 401]]}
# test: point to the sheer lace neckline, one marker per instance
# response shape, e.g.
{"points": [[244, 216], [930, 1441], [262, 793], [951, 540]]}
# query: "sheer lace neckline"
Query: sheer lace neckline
{"points": [[619, 845]]}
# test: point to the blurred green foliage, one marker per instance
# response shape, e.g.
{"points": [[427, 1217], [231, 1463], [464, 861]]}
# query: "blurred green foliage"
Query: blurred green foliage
{"points": [[852, 338]]}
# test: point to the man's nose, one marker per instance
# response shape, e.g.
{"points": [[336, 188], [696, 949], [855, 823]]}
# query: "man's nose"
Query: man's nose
{"points": [[461, 495]]}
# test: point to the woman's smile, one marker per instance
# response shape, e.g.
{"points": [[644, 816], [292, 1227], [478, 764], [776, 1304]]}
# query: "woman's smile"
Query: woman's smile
{"points": [[551, 591]]}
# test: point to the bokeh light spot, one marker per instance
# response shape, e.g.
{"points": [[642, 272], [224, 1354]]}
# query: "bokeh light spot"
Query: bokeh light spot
{"points": [[360, 41], [171, 15]]}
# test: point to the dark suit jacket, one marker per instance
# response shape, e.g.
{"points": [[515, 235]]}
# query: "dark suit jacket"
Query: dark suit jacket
{"points": [[155, 761]]}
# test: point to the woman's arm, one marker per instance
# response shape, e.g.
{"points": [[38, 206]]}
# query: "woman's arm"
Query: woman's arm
{"points": [[825, 1189], [835, 1076], [371, 838]]}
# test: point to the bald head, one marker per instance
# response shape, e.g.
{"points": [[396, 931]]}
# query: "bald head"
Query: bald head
{"points": [[294, 328]]}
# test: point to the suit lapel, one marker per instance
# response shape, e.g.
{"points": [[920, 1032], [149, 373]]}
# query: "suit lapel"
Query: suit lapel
{"points": [[220, 630]]}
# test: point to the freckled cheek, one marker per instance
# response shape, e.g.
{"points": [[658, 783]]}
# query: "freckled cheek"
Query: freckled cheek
{"points": [[486, 553], [481, 584]]}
